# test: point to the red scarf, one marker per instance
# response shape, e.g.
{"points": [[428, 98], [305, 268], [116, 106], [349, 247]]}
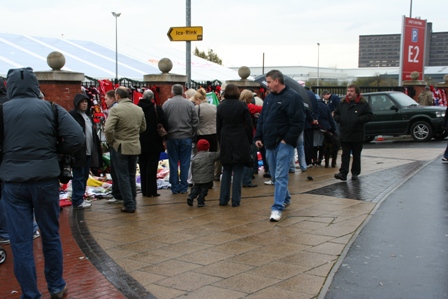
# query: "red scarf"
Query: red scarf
{"points": [[356, 101]]}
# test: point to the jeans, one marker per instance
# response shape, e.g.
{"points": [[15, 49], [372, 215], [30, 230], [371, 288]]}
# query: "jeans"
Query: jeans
{"points": [[125, 167], [224, 195], [20, 201], [179, 150], [301, 152], [279, 160], [115, 190], [249, 171], [79, 182], [308, 138], [3, 227], [4, 233], [355, 149]]}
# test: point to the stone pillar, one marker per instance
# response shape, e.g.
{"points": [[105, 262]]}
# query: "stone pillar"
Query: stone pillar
{"points": [[415, 86], [164, 81], [243, 83], [59, 86]]}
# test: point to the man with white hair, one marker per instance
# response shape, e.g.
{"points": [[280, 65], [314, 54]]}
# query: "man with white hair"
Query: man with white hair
{"points": [[151, 144]]}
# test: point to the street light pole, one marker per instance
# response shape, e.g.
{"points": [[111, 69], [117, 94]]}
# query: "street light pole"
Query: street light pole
{"points": [[318, 46], [116, 15]]}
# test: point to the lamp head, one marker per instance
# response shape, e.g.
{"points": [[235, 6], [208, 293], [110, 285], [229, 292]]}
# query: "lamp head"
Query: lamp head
{"points": [[116, 14]]}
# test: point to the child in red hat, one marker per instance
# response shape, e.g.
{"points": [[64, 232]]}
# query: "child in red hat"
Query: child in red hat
{"points": [[202, 171]]}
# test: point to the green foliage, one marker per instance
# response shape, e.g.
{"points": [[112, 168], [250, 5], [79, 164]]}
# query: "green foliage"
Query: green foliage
{"points": [[376, 81], [210, 56]]}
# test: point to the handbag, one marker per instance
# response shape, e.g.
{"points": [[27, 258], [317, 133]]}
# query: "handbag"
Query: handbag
{"points": [[65, 160], [160, 129]]}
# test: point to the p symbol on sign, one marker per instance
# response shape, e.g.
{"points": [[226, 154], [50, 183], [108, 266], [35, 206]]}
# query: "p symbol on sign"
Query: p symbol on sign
{"points": [[414, 35]]}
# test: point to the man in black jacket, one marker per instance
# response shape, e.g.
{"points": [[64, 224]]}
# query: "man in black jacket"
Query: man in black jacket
{"points": [[279, 125], [351, 114], [29, 172]]}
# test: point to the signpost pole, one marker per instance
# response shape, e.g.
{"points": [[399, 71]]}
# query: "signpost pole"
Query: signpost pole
{"points": [[188, 45]]}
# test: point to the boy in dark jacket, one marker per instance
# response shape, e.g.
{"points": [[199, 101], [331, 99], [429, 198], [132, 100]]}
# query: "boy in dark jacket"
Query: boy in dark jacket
{"points": [[89, 156], [202, 170]]}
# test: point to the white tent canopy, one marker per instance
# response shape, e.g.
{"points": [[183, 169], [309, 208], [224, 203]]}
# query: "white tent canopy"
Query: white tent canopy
{"points": [[98, 61]]}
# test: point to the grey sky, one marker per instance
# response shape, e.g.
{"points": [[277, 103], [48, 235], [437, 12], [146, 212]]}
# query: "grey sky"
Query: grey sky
{"points": [[239, 31]]}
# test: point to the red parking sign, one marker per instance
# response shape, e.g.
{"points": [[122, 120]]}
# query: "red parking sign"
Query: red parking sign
{"points": [[412, 48]]}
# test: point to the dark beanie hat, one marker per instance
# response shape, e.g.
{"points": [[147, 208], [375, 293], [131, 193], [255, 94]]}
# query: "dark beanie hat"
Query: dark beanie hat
{"points": [[203, 145]]}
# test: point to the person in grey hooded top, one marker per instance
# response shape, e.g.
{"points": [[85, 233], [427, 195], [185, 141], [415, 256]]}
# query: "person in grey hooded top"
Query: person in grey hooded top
{"points": [[29, 172]]}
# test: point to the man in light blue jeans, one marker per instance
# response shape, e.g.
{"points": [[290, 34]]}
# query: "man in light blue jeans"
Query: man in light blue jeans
{"points": [[279, 160], [182, 125], [280, 123]]}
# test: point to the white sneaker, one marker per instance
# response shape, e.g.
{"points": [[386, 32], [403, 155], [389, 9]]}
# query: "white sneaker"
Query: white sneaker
{"points": [[84, 205], [36, 235], [114, 200], [270, 182], [88, 200], [275, 216]]}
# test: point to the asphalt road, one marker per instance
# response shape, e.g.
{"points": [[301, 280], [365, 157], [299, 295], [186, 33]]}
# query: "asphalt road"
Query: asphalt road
{"points": [[402, 252]]}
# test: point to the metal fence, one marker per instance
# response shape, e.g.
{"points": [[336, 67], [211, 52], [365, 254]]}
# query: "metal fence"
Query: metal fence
{"points": [[342, 90], [134, 84], [206, 84]]}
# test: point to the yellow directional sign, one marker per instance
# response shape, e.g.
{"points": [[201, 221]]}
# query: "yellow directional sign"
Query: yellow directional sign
{"points": [[177, 34]]}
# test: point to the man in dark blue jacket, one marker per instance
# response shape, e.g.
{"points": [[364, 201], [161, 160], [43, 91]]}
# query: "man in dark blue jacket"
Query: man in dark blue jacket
{"points": [[29, 172], [279, 125]]}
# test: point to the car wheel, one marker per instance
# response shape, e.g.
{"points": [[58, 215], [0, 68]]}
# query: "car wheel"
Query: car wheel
{"points": [[421, 131], [368, 139], [2, 256]]}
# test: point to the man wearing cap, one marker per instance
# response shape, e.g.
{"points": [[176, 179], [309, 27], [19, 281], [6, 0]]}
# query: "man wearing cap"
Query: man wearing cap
{"points": [[425, 97], [332, 100]]}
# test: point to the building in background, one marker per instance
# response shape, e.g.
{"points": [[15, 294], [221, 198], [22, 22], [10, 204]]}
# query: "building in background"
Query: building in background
{"points": [[383, 50]]}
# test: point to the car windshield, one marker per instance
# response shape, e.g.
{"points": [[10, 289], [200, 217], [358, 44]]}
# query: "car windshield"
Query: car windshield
{"points": [[403, 99]]}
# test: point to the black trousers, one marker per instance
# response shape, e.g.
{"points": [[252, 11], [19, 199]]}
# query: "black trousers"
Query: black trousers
{"points": [[353, 148], [148, 163], [200, 191], [308, 140]]}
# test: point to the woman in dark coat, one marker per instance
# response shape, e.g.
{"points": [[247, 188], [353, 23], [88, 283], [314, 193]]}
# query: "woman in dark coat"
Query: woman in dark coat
{"points": [[234, 130], [151, 144]]}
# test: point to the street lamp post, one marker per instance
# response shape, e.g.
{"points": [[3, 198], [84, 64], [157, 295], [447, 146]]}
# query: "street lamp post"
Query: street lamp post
{"points": [[318, 46], [116, 15]]}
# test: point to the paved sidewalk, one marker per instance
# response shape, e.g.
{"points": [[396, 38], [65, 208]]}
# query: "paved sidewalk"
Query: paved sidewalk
{"points": [[170, 250], [401, 252]]}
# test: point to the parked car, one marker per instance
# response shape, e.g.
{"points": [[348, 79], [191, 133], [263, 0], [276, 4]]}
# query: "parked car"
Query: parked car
{"points": [[396, 114]]}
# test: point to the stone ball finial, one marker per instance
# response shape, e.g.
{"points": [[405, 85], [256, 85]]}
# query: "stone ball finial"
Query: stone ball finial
{"points": [[165, 65], [244, 72], [445, 78], [415, 75], [56, 60]]}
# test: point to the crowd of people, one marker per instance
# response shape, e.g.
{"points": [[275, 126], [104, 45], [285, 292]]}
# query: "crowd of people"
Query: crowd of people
{"points": [[205, 143]]}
